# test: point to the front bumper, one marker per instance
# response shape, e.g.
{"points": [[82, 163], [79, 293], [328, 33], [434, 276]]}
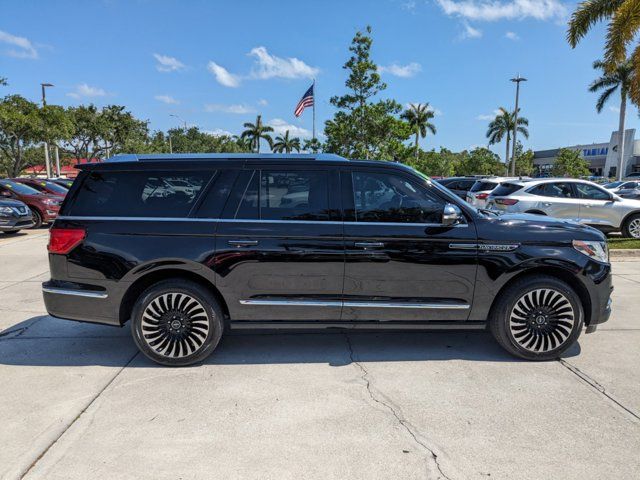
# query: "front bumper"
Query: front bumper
{"points": [[15, 223]]}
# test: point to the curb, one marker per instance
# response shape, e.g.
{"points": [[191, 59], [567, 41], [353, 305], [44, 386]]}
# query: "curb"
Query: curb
{"points": [[631, 253]]}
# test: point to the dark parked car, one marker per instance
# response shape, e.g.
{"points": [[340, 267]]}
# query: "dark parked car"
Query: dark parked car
{"points": [[458, 185], [44, 207], [372, 245], [14, 216], [44, 186]]}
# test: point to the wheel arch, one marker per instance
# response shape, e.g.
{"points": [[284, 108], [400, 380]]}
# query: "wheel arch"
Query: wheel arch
{"points": [[627, 217], [556, 272], [144, 282]]}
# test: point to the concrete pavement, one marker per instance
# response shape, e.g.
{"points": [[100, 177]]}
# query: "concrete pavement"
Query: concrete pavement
{"points": [[79, 401]]}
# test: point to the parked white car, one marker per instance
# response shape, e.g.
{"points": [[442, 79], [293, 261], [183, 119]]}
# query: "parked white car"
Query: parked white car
{"points": [[478, 194], [578, 200]]}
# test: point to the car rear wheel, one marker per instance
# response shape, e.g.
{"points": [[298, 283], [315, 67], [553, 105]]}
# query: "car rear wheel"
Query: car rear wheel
{"points": [[37, 218], [11, 232], [631, 227], [537, 318], [177, 323]]}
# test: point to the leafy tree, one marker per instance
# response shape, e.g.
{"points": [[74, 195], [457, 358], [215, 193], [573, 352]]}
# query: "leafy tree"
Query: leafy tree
{"points": [[435, 164], [569, 163], [502, 127], [480, 161], [624, 24], [312, 145], [98, 133], [255, 132], [3, 81], [608, 83], [524, 162], [418, 116], [361, 128], [243, 143], [285, 143]]}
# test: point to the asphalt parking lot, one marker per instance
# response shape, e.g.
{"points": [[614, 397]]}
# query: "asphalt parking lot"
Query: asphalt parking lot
{"points": [[79, 402]]}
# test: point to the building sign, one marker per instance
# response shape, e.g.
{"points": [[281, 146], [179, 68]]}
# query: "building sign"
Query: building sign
{"points": [[595, 152]]}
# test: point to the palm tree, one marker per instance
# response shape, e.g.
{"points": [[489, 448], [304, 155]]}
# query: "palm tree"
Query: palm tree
{"points": [[620, 78], [418, 116], [624, 24], [286, 144], [502, 127], [256, 132]]}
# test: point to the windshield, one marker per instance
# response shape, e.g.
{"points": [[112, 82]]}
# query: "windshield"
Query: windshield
{"points": [[54, 187], [19, 188]]}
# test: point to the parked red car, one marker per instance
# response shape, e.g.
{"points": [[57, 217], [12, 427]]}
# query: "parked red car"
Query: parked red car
{"points": [[44, 186], [43, 206]]}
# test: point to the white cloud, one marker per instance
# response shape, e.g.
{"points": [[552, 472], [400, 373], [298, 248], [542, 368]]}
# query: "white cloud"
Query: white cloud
{"points": [[168, 99], [167, 63], [614, 109], [492, 10], [86, 91], [269, 66], [223, 76], [239, 109], [20, 47], [218, 132], [490, 116], [512, 36], [262, 102], [280, 127], [404, 71], [470, 32]]}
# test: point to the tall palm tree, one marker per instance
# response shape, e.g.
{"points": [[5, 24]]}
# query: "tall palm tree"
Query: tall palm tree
{"points": [[624, 23], [609, 82], [244, 144], [255, 132], [286, 144], [418, 116], [502, 127]]}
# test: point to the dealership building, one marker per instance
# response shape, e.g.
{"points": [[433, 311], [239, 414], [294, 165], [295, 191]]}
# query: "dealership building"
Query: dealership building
{"points": [[602, 157]]}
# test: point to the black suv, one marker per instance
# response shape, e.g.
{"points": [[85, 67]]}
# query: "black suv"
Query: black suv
{"points": [[188, 246]]}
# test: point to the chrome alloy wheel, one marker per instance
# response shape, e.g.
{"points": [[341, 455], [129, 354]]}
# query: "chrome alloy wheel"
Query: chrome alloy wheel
{"points": [[634, 228], [175, 325], [542, 320]]}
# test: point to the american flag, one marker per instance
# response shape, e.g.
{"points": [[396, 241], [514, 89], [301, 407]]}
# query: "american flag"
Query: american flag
{"points": [[305, 101]]}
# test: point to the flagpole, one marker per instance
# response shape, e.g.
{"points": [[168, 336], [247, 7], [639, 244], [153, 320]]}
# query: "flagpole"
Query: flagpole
{"points": [[314, 109]]}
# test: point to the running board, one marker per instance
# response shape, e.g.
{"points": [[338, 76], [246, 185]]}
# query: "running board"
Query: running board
{"points": [[319, 325]]}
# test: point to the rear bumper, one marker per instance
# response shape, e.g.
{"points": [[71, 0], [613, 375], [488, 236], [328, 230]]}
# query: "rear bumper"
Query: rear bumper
{"points": [[79, 302]]}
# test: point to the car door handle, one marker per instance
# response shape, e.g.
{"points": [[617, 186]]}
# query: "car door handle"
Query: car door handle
{"points": [[547, 204], [366, 245], [242, 243]]}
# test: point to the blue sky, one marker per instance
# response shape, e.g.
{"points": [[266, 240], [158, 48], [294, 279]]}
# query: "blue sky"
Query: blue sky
{"points": [[218, 64]]}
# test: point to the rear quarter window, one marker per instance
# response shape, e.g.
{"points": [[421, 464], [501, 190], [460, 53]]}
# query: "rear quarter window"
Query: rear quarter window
{"points": [[138, 193], [505, 189], [483, 185]]}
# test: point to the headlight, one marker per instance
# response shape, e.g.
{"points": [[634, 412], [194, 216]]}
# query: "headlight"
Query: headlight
{"points": [[50, 201], [6, 210], [598, 251]]}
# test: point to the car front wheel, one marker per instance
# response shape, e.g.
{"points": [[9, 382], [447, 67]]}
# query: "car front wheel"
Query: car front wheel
{"points": [[537, 318], [631, 227], [177, 323]]}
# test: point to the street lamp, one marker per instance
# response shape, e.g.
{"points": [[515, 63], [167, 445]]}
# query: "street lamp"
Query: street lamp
{"points": [[517, 81], [47, 163]]}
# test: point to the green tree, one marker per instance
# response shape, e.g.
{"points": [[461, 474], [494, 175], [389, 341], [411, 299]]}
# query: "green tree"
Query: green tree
{"points": [[361, 128], [418, 116], [3, 81], [502, 127], [285, 143], [569, 163], [479, 161], [255, 132], [608, 83], [624, 24], [435, 164], [312, 145], [524, 161]]}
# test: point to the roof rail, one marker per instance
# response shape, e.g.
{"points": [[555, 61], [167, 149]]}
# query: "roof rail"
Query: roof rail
{"points": [[132, 157]]}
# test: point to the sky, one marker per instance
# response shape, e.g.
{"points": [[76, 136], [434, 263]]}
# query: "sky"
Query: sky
{"points": [[217, 64]]}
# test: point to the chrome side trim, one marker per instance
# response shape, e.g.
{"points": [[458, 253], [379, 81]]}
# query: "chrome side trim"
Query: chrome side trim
{"points": [[354, 304], [463, 246], [75, 293], [139, 219]]}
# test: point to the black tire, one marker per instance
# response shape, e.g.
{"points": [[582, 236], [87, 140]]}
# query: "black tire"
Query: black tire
{"points": [[631, 227], [168, 303], [11, 232], [531, 298], [37, 218]]}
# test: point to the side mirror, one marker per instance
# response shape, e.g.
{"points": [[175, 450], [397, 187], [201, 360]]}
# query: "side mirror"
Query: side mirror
{"points": [[451, 215], [5, 193]]}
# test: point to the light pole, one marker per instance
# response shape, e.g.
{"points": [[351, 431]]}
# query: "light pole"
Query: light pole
{"points": [[517, 81], [47, 163]]}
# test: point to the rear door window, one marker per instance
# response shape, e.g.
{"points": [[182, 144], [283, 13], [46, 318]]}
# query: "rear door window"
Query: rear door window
{"points": [[557, 190], [139, 193]]}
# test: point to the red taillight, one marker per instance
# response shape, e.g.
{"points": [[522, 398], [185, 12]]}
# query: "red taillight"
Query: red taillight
{"points": [[482, 196], [63, 240], [506, 201]]}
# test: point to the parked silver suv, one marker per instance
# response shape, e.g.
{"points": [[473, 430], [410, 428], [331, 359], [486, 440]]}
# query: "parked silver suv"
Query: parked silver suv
{"points": [[578, 200]]}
